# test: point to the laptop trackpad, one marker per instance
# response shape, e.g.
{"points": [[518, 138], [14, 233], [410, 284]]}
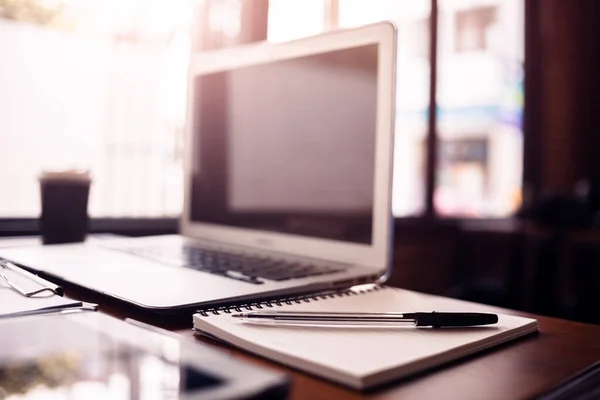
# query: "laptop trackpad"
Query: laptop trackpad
{"points": [[129, 277]]}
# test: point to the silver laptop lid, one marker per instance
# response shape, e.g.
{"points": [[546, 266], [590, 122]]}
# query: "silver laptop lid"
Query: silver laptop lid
{"points": [[289, 146]]}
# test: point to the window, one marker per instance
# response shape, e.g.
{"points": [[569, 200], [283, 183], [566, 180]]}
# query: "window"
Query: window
{"points": [[479, 98], [480, 107], [419, 38], [473, 28], [101, 85], [412, 94], [98, 85]]}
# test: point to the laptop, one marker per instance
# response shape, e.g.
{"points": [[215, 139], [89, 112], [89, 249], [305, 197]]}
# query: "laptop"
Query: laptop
{"points": [[288, 173]]}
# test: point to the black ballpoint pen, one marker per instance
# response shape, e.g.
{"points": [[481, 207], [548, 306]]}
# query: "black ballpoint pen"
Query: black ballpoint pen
{"points": [[419, 319]]}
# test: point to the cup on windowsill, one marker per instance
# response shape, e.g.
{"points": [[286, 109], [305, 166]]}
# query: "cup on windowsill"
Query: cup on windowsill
{"points": [[64, 217]]}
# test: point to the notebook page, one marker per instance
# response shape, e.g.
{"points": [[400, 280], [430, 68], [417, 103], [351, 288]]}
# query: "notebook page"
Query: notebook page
{"points": [[359, 351]]}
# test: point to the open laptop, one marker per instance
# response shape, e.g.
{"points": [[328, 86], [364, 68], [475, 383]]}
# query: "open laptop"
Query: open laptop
{"points": [[287, 181]]}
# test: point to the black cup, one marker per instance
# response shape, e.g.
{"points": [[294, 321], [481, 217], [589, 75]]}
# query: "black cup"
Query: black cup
{"points": [[64, 216]]}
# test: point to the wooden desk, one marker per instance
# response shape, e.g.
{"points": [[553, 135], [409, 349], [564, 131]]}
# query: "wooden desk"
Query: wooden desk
{"points": [[522, 369]]}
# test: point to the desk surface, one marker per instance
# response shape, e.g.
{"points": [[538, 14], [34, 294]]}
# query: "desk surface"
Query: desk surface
{"points": [[523, 369], [526, 368]]}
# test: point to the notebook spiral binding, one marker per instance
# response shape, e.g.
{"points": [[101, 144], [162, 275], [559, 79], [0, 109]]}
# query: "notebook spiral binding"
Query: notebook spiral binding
{"points": [[288, 301]]}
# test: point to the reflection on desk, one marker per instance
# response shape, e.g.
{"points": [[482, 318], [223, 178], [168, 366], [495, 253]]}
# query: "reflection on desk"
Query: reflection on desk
{"points": [[94, 356]]}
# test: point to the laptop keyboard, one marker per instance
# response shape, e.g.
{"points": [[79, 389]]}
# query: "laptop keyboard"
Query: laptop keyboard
{"points": [[248, 268]]}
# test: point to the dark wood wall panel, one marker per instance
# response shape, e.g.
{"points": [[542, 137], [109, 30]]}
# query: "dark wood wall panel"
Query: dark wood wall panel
{"points": [[562, 93]]}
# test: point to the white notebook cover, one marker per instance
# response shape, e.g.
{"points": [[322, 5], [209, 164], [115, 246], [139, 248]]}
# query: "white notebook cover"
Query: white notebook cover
{"points": [[361, 357]]}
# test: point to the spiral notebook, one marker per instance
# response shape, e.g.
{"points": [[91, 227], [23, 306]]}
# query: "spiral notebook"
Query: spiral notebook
{"points": [[361, 357]]}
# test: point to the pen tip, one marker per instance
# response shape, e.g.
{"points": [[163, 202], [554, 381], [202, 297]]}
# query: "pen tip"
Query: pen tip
{"points": [[236, 315]]}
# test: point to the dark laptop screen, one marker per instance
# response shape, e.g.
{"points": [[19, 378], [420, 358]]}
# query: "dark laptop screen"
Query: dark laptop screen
{"points": [[288, 146]]}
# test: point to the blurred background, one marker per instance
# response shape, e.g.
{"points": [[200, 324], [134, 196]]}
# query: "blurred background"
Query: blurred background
{"points": [[498, 105]]}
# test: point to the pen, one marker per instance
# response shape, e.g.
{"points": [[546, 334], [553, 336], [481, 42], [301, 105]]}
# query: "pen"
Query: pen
{"points": [[54, 310], [432, 319]]}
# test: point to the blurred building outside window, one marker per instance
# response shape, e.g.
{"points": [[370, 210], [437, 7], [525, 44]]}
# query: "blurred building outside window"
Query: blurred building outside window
{"points": [[480, 107], [479, 97], [473, 28]]}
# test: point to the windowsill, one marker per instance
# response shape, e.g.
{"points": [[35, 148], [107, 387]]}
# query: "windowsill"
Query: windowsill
{"points": [[155, 226], [121, 226]]}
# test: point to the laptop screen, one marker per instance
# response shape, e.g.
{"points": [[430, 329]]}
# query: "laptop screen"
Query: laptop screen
{"points": [[288, 146]]}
